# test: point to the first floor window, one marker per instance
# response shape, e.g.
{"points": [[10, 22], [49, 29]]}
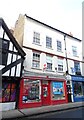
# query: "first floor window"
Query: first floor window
{"points": [[78, 88], [36, 60], [49, 62], [31, 91], [60, 65], [77, 66], [58, 92]]}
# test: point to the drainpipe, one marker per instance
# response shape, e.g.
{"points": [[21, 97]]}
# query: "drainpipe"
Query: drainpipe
{"points": [[67, 72], [68, 77]]}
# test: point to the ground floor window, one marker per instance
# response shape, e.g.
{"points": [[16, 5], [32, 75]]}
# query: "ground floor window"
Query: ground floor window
{"points": [[8, 92], [31, 91], [0, 94], [58, 92], [78, 88]]}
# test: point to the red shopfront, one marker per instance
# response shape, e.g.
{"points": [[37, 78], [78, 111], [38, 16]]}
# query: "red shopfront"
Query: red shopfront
{"points": [[36, 92]]}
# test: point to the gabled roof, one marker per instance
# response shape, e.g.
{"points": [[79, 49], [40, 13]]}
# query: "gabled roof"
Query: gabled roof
{"points": [[11, 37], [52, 27]]}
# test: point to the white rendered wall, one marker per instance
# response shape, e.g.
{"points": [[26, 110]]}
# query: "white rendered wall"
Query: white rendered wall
{"points": [[32, 26]]}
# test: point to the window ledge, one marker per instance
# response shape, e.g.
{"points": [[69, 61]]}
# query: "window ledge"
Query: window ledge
{"points": [[36, 44], [75, 56], [49, 48], [59, 51], [49, 70], [36, 68], [60, 71]]}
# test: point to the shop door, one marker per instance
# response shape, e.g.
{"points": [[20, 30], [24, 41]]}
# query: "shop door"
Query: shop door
{"points": [[45, 93], [69, 93]]}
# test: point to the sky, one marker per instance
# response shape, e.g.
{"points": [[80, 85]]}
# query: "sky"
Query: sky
{"points": [[65, 15]]}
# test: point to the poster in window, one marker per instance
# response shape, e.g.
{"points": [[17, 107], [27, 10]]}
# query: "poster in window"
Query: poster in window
{"points": [[6, 95], [31, 91], [5, 85], [13, 95], [57, 88], [0, 94]]}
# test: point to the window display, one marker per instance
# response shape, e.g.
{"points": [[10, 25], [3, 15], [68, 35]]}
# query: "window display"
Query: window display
{"points": [[8, 92], [58, 90], [78, 89], [0, 94], [31, 91]]}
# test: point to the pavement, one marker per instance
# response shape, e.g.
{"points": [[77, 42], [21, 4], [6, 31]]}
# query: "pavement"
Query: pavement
{"points": [[19, 113]]}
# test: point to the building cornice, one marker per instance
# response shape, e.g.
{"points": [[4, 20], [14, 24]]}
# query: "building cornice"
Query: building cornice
{"points": [[52, 28]]}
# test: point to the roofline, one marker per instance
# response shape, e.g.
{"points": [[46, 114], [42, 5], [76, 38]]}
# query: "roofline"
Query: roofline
{"points": [[52, 27], [4, 26]]}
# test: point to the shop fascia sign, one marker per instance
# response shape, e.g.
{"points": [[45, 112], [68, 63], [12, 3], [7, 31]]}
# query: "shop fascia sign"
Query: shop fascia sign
{"points": [[77, 78]]}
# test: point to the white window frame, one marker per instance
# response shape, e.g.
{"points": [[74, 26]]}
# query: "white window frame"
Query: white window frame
{"points": [[36, 60], [59, 48], [49, 62], [36, 38], [48, 42], [74, 50], [60, 65]]}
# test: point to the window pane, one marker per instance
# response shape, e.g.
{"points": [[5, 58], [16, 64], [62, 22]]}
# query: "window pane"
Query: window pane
{"points": [[31, 91], [35, 64], [5, 95], [60, 64], [60, 67], [59, 46], [5, 47], [36, 60], [49, 62], [49, 59], [5, 44], [77, 66], [8, 92], [4, 58], [13, 95], [49, 66], [49, 42], [36, 38], [74, 50], [58, 90], [83, 87], [78, 91], [36, 56]]}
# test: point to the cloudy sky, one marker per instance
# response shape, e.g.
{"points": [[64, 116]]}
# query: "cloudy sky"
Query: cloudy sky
{"points": [[65, 15]]}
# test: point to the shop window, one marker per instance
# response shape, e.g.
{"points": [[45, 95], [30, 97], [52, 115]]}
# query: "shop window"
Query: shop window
{"points": [[58, 90], [0, 95], [31, 91], [78, 89], [83, 88], [8, 92]]}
